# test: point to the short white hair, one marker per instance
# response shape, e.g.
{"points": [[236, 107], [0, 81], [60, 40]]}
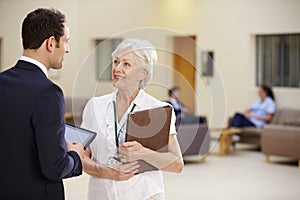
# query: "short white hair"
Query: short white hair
{"points": [[146, 53]]}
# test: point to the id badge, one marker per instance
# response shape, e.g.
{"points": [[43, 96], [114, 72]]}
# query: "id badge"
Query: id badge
{"points": [[113, 162]]}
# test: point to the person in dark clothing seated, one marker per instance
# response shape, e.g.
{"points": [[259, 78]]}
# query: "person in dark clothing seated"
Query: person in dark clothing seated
{"points": [[183, 113]]}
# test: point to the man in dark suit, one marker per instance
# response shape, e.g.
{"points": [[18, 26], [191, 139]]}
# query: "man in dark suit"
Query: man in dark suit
{"points": [[35, 156]]}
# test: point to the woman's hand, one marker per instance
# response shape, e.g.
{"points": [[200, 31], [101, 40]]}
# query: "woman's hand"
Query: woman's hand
{"points": [[168, 161], [120, 173], [132, 151]]}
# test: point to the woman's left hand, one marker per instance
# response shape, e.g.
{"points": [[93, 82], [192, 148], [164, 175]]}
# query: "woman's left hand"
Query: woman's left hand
{"points": [[132, 151]]}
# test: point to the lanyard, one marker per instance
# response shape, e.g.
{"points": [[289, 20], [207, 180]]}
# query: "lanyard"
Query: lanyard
{"points": [[117, 133]]}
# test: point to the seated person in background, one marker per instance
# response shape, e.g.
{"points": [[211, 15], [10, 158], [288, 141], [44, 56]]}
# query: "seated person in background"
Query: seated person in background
{"points": [[260, 112], [180, 109], [183, 113]]}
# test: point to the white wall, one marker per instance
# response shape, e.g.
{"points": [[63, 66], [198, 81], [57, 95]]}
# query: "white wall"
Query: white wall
{"points": [[225, 26], [228, 27], [87, 20]]}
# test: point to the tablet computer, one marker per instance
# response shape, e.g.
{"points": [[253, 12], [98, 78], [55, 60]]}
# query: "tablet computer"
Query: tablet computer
{"points": [[77, 134]]}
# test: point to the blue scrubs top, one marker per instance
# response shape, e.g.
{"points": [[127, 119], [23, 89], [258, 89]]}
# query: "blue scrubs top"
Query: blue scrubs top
{"points": [[262, 109]]}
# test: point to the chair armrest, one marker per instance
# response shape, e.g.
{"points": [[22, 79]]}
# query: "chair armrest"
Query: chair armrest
{"points": [[281, 140]]}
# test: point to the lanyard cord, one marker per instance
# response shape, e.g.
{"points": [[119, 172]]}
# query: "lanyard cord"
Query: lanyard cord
{"points": [[117, 134]]}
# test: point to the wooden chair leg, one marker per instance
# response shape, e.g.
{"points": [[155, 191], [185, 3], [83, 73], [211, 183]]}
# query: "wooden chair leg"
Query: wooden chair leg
{"points": [[299, 163], [203, 159], [267, 158], [222, 145], [228, 144]]}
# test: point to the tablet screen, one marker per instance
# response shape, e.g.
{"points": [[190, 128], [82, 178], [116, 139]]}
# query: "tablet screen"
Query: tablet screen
{"points": [[76, 134]]}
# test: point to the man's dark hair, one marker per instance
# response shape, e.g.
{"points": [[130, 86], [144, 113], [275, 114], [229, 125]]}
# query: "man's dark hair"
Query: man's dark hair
{"points": [[41, 24]]}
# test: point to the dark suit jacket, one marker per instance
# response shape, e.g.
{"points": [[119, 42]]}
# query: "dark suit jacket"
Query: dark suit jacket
{"points": [[34, 158]]}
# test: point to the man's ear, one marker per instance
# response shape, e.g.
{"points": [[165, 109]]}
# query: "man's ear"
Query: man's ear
{"points": [[50, 43]]}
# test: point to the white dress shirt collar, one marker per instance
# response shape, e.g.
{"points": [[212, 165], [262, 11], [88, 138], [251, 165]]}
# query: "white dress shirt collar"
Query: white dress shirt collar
{"points": [[37, 63]]}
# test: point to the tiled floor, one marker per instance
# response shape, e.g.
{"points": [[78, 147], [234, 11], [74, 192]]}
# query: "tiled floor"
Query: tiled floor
{"points": [[241, 175]]}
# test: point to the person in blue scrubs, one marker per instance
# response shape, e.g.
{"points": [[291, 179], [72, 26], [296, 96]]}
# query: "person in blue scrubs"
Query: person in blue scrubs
{"points": [[260, 111]]}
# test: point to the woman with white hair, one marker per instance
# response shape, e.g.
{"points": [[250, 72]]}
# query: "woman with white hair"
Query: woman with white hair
{"points": [[132, 70]]}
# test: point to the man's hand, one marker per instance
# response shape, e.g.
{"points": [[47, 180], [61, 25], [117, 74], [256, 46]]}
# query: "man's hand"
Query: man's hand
{"points": [[77, 147]]}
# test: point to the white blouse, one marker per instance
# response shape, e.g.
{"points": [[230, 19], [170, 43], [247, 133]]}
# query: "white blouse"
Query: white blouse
{"points": [[98, 116]]}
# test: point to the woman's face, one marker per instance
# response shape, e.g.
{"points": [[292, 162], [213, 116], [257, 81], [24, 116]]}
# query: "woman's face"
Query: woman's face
{"points": [[126, 70], [261, 93]]}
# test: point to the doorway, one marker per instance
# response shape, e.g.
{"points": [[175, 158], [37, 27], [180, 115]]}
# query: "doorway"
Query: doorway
{"points": [[184, 60]]}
